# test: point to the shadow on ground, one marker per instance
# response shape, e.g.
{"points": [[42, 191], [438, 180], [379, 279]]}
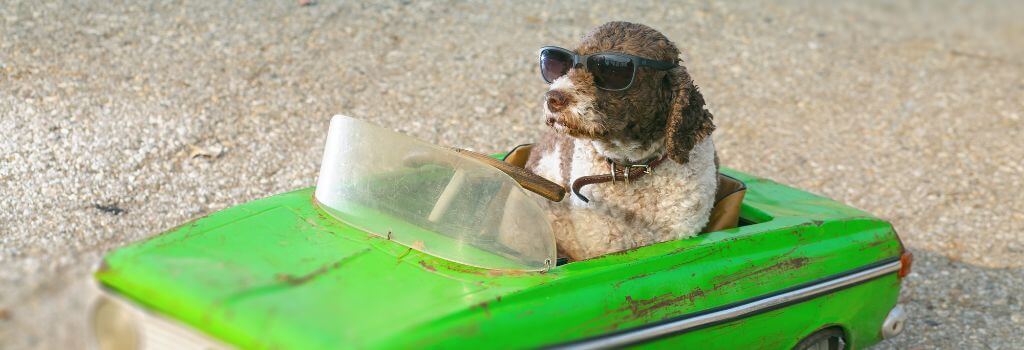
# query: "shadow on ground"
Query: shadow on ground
{"points": [[980, 293]]}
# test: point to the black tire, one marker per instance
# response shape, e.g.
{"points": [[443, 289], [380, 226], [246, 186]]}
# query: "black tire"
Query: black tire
{"points": [[825, 339]]}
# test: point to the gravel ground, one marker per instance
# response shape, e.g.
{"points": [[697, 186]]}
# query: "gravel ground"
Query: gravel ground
{"points": [[118, 121]]}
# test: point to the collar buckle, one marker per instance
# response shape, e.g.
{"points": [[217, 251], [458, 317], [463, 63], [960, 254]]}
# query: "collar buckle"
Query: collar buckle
{"points": [[626, 169], [646, 167]]}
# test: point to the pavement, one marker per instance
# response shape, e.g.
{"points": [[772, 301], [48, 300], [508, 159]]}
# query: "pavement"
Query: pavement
{"points": [[120, 120]]}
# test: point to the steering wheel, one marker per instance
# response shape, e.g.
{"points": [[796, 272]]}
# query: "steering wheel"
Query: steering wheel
{"points": [[526, 179]]}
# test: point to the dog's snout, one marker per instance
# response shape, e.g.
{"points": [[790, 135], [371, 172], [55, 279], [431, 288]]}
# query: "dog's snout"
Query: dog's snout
{"points": [[557, 100]]}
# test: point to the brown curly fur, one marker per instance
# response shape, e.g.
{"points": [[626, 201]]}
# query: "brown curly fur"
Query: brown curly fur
{"points": [[659, 105], [662, 113]]}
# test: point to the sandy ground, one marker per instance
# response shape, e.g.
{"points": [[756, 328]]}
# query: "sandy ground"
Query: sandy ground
{"points": [[118, 121]]}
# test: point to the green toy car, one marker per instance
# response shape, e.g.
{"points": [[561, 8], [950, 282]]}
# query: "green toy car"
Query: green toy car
{"points": [[406, 245]]}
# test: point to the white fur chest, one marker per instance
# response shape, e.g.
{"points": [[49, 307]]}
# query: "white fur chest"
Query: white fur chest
{"points": [[673, 202]]}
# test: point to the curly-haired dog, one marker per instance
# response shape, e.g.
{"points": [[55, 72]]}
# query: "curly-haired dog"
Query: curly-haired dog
{"points": [[658, 120]]}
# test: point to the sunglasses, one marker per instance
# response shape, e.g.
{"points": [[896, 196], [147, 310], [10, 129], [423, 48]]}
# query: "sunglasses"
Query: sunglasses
{"points": [[611, 71]]}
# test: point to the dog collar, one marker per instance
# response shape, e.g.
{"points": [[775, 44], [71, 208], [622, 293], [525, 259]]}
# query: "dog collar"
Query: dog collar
{"points": [[616, 173]]}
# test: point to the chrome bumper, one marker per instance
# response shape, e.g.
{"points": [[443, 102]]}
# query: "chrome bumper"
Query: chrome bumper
{"points": [[117, 323], [894, 322]]}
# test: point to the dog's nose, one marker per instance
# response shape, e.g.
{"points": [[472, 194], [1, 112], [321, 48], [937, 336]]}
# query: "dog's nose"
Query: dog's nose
{"points": [[557, 100]]}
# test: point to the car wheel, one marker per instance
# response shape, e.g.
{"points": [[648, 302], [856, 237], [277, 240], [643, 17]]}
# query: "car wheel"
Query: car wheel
{"points": [[825, 339]]}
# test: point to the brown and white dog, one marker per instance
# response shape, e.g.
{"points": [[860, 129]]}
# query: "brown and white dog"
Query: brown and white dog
{"points": [[661, 113]]}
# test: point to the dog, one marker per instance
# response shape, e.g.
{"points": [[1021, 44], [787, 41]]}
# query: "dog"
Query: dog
{"points": [[657, 130]]}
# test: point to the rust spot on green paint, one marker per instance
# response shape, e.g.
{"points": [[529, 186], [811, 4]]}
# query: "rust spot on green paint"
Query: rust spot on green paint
{"points": [[781, 266], [325, 219], [465, 269], [720, 246], [300, 280], [873, 244], [313, 223], [634, 277], [704, 254], [483, 306], [312, 199], [709, 252], [640, 308], [403, 255], [457, 267], [428, 266]]}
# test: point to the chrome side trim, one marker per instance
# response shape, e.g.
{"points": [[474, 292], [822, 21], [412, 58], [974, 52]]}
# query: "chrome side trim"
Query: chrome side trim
{"points": [[645, 333]]}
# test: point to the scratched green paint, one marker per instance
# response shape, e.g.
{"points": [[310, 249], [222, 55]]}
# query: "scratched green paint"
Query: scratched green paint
{"points": [[280, 273]]}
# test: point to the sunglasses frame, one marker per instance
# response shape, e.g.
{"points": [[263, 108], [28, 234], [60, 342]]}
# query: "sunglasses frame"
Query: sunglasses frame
{"points": [[581, 61]]}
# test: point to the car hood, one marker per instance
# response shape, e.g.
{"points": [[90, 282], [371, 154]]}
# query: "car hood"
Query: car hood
{"points": [[279, 272]]}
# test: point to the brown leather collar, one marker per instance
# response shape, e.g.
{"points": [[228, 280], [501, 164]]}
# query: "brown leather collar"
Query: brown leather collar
{"points": [[618, 173]]}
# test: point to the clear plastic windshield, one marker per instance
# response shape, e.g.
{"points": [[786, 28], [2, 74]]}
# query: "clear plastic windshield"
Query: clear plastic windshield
{"points": [[431, 199]]}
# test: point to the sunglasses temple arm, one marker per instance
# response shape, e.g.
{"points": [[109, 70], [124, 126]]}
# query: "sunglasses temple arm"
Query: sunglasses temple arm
{"points": [[661, 65]]}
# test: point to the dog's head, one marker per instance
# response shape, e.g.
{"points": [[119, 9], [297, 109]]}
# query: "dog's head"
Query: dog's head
{"points": [[661, 111]]}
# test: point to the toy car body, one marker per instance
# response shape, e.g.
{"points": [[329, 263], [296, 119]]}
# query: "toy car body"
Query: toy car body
{"points": [[289, 271]]}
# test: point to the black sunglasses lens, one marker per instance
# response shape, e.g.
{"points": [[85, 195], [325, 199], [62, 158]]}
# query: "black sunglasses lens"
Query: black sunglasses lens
{"points": [[611, 71], [554, 64]]}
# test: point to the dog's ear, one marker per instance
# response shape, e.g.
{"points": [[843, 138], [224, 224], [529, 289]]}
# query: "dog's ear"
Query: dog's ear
{"points": [[688, 122]]}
